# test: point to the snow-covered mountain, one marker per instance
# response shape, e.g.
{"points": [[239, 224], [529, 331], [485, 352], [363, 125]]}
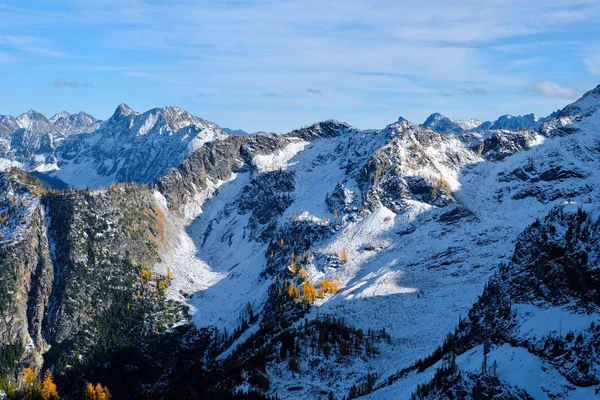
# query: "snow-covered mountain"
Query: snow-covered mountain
{"points": [[80, 151], [424, 220], [443, 124], [328, 261], [235, 131], [30, 140], [515, 123]]}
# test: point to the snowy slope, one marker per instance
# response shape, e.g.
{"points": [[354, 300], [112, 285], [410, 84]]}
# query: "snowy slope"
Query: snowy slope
{"points": [[426, 222]]}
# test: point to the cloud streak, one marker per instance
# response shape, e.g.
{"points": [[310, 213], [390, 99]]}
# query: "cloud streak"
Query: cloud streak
{"points": [[475, 90], [30, 44], [313, 91], [63, 83]]}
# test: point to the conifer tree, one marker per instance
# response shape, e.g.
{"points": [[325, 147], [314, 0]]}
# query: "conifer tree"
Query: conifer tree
{"points": [[49, 390]]}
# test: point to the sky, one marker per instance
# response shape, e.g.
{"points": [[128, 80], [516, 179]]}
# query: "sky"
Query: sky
{"points": [[277, 65]]}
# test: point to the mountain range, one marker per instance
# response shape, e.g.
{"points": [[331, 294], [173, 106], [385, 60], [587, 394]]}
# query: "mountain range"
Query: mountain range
{"points": [[167, 258]]}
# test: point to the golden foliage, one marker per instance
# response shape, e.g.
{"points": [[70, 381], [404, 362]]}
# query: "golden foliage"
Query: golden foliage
{"points": [[325, 220], [344, 255], [321, 292], [28, 376], [329, 286], [309, 292], [302, 273], [335, 215], [146, 274], [97, 392], [49, 390], [282, 242]]}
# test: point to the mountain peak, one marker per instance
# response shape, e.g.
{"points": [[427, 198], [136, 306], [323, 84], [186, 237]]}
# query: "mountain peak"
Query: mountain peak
{"points": [[123, 111], [57, 116], [440, 123]]}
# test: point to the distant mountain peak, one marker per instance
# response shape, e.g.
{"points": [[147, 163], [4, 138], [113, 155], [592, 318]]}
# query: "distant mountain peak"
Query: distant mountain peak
{"points": [[57, 116], [123, 110], [440, 123]]}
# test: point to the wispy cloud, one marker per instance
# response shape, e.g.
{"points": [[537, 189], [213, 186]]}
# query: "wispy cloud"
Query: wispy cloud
{"points": [[551, 89], [592, 61], [63, 83], [475, 90], [269, 94], [30, 44], [313, 91]]}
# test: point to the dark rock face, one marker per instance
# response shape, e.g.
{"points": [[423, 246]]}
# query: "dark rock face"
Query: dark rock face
{"points": [[455, 215], [342, 200], [502, 144], [90, 232], [558, 172], [215, 161], [65, 260], [551, 260], [27, 276], [266, 197]]}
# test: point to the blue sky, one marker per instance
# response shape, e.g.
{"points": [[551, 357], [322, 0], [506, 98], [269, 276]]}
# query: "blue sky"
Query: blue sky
{"points": [[278, 65]]}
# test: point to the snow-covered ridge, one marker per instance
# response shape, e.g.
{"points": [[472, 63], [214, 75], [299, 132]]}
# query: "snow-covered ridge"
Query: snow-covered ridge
{"points": [[80, 151], [443, 124]]}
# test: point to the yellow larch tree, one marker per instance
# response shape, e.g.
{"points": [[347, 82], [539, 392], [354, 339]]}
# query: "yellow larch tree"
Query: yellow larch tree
{"points": [[309, 292], [302, 273], [329, 286], [28, 376], [291, 290], [321, 292], [49, 390], [344, 255]]}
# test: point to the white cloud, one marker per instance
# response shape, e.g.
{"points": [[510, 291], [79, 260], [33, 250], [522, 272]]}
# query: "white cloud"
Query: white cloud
{"points": [[592, 62], [551, 89]]}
